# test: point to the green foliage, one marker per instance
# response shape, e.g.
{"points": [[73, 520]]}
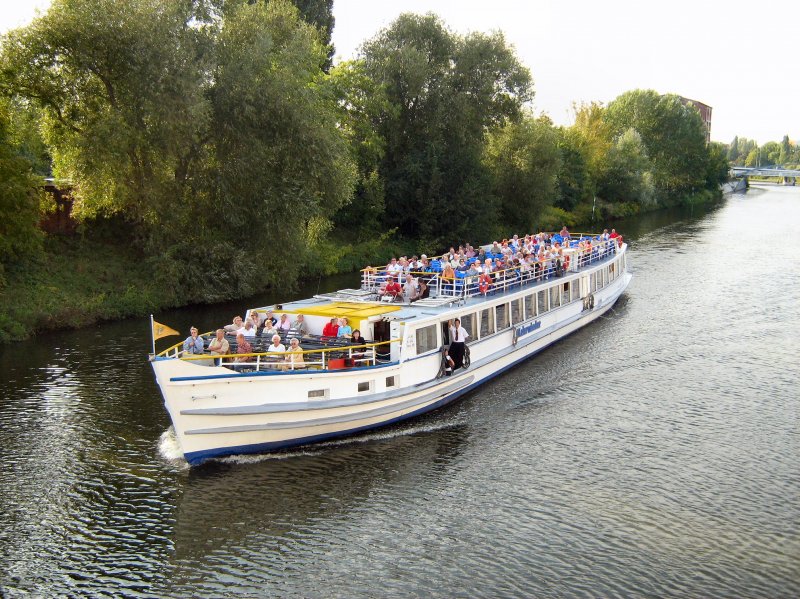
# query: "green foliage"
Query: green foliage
{"points": [[19, 203], [673, 135], [524, 160], [445, 93], [574, 181]]}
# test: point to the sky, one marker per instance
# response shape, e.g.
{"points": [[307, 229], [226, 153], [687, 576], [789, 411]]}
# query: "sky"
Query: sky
{"points": [[738, 57]]}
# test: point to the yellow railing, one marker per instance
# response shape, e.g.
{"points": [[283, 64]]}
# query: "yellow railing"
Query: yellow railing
{"points": [[312, 359]]}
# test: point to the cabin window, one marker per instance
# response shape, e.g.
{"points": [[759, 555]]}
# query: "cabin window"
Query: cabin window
{"points": [[565, 293], [592, 283], [576, 290], [318, 394], [365, 386], [426, 339], [501, 312], [542, 301], [390, 382], [611, 273], [468, 322], [555, 297], [517, 315], [487, 323], [530, 305]]}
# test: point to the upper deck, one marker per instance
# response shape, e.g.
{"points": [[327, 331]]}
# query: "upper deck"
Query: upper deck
{"points": [[379, 315]]}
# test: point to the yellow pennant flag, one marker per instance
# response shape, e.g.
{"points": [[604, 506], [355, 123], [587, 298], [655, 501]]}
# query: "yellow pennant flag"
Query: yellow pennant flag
{"points": [[162, 330]]}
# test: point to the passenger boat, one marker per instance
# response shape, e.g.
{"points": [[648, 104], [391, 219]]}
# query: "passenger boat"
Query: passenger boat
{"points": [[224, 406]]}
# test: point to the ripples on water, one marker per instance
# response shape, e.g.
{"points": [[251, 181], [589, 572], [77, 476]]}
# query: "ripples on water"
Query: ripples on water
{"points": [[654, 453]]}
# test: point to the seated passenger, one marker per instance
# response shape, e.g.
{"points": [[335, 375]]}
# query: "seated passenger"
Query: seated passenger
{"points": [[393, 289], [194, 343], [299, 326], [243, 347], [284, 324], [331, 329], [409, 288], [248, 330], [219, 346], [235, 325], [423, 292], [294, 355], [276, 347], [344, 329]]}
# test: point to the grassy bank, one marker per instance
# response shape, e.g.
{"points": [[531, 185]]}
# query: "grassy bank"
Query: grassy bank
{"points": [[76, 282]]}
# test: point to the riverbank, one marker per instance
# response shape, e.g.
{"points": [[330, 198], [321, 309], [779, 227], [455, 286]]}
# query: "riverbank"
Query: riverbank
{"points": [[80, 281]]}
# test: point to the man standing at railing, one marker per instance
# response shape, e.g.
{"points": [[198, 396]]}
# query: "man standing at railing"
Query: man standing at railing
{"points": [[193, 343]]}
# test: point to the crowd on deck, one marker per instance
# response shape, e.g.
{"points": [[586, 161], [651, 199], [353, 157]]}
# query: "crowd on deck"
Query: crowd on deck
{"points": [[277, 329], [537, 255]]}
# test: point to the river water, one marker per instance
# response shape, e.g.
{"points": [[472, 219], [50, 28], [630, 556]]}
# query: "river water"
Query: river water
{"points": [[655, 453]]}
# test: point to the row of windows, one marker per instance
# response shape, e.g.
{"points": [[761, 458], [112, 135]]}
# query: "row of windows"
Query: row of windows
{"points": [[498, 318]]}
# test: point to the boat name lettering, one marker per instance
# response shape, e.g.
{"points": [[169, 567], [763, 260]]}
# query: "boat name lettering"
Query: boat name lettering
{"points": [[528, 328]]}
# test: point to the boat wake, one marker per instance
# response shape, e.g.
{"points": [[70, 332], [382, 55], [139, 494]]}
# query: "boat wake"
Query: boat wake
{"points": [[170, 450], [317, 448]]}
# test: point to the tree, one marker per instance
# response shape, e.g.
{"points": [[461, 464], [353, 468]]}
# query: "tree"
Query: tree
{"points": [[212, 132], [19, 203], [629, 177], [673, 135], [733, 150], [524, 159], [445, 92], [574, 181]]}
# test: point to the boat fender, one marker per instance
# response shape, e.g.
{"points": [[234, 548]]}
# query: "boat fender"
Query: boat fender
{"points": [[466, 361], [514, 337]]}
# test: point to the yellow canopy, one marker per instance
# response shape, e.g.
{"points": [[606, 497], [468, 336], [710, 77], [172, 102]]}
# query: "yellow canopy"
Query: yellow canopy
{"points": [[350, 310]]}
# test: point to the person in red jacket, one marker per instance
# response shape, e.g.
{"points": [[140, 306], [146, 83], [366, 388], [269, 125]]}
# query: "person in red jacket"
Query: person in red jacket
{"points": [[331, 329]]}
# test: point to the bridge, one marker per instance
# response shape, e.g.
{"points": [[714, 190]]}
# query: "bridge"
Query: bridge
{"points": [[789, 176]]}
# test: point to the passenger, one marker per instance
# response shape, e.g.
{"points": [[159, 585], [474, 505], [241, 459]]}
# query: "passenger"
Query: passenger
{"points": [[294, 356], [458, 337], [423, 292], [357, 354], [448, 362], [409, 288], [462, 266], [344, 329], [284, 324], [269, 329], [393, 268], [331, 329], [392, 290], [248, 330], [219, 346], [277, 347], [271, 317], [194, 343], [299, 325], [243, 347], [235, 325]]}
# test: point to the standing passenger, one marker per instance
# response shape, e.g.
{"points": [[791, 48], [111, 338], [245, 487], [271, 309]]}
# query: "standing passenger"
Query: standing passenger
{"points": [[458, 337]]}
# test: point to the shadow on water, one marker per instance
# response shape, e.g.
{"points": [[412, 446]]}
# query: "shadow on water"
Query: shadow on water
{"points": [[282, 495]]}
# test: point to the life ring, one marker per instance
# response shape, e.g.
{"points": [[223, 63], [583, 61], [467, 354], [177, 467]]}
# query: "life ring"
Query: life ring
{"points": [[483, 284]]}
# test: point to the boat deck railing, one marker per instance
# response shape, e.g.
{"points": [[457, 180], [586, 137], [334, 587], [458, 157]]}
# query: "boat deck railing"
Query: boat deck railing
{"points": [[326, 354], [461, 287]]}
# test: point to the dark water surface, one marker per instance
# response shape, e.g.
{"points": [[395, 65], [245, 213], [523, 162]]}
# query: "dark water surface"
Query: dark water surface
{"points": [[655, 453]]}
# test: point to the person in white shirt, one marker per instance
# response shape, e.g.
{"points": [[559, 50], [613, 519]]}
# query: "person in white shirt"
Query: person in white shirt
{"points": [[276, 348], [458, 338], [248, 330]]}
